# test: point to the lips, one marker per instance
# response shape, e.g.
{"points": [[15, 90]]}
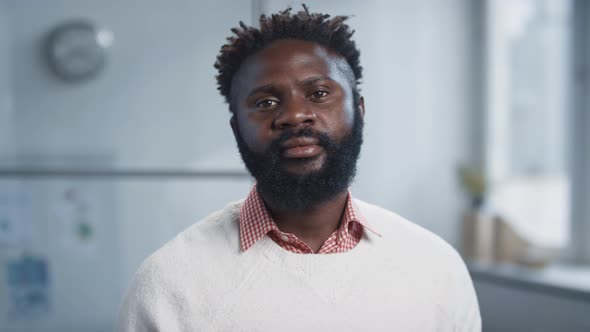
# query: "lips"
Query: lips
{"points": [[301, 147]]}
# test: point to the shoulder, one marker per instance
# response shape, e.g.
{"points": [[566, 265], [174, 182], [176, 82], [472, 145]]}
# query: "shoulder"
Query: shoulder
{"points": [[404, 236], [165, 277], [428, 258], [214, 238], [215, 234]]}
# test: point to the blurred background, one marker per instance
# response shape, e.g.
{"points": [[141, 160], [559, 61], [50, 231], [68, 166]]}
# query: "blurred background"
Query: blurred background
{"points": [[113, 139]]}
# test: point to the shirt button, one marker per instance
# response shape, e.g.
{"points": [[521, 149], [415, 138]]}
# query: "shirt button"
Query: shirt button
{"points": [[285, 238]]}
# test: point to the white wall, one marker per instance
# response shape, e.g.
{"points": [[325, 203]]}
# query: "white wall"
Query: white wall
{"points": [[156, 97], [419, 87], [6, 110]]}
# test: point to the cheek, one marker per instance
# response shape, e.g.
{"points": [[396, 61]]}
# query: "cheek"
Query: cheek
{"points": [[253, 134], [348, 109], [346, 115]]}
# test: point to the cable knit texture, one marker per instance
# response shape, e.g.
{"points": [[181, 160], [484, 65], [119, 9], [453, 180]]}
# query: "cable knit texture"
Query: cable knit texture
{"points": [[406, 280]]}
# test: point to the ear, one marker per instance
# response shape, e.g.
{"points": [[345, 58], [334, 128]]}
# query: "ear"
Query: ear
{"points": [[361, 109]]}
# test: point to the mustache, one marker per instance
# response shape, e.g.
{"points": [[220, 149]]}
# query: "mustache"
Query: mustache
{"points": [[322, 138]]}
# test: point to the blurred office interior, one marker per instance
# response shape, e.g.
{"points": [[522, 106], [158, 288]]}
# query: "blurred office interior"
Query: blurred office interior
{"points": [[113, 139]]}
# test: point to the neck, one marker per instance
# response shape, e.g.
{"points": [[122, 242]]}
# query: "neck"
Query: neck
{"points": [[313, 225]]}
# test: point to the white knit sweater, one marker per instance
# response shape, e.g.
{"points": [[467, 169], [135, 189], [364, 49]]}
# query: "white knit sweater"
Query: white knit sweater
{"points": [[406, 280]]}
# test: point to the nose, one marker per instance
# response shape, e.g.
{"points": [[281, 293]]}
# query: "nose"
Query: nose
{"points": [[294, 113]]}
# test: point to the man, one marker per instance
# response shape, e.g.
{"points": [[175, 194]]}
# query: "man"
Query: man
{"points": [[299, 253]]}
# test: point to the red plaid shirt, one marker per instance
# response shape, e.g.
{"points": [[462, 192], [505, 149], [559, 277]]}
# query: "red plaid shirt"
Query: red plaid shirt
{"points": [[256, 222]]}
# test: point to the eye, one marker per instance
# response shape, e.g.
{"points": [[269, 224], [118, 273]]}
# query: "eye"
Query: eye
{"points": [[266, 104], [319, 94]]}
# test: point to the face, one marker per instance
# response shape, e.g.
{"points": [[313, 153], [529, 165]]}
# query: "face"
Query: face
{"points": [[297, 126]]}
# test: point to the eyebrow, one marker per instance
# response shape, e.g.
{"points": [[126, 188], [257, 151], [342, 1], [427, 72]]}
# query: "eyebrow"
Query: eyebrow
{"points": [[262, 88], [272, 88], [312, 80]]}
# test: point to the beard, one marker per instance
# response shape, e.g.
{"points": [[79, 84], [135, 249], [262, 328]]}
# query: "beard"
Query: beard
{"points": [[288, 191]]}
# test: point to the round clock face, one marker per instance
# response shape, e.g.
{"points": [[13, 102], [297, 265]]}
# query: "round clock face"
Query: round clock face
{"points": [[75, 51]]}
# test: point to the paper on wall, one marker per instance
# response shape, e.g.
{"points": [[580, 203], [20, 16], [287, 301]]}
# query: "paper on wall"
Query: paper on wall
{"points": [[15, 207]]}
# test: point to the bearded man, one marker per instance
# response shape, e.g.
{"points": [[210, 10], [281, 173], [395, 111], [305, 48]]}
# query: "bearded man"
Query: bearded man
{"points": [[299, 253]]}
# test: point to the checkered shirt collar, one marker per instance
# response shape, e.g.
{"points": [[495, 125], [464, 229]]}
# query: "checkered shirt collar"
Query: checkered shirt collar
{"points": [[256, 221]]}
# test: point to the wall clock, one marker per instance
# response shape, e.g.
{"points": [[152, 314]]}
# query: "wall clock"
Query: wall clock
{"points": [[77, 50]]}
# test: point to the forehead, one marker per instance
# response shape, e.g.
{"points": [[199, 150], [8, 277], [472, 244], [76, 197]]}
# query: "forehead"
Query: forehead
{"points": [[290, 60]]}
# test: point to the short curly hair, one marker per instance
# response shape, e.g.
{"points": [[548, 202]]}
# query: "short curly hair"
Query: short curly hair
{"points": [[323, 29]]}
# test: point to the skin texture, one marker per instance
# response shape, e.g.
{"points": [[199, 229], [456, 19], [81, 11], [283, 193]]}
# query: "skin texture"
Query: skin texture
{"points": [[288, 86]]}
